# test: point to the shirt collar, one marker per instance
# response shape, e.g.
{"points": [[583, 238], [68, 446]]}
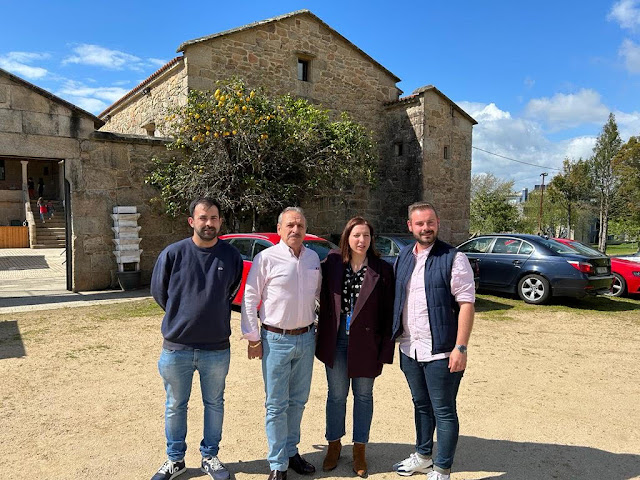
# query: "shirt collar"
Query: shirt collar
{"points": [[423, 253], [286, 247]]}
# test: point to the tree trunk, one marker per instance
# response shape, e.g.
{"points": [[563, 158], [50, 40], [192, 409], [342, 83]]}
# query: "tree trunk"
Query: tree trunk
{"points": [[569, 235], [604, 224], [253, 220]]}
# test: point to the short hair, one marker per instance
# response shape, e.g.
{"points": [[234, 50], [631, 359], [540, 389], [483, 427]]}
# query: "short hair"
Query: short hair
{"points": [[345, 249], [291, 209], [421, 206], [208, 202]]}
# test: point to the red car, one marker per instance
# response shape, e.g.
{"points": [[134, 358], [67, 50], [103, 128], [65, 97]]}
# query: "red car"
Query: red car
{"points": [[250, 244], [626, 273]]}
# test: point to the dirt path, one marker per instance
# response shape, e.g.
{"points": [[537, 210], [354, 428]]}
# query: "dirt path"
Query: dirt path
{"points": [[549, 393]]}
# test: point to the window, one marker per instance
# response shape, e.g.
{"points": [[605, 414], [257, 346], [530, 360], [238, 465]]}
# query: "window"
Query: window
{"points": [[477, 245], [384, 246], [2, 176], [397, 149], [446, 152], [303, 70], [509, 246], [244, 246], [259, 246]]}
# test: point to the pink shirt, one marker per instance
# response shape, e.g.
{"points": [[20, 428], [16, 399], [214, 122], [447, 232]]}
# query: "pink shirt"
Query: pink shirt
{"points": [[415, 341]]}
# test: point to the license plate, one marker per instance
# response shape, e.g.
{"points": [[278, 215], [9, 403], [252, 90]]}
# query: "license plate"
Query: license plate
{"points": [[601, 270]]}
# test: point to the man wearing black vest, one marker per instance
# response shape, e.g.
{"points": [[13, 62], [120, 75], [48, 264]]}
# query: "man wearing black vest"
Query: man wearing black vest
{"points": [[432, 320]]}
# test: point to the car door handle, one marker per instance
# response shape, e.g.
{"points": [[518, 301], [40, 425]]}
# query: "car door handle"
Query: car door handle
{"points": [[517, 263]]}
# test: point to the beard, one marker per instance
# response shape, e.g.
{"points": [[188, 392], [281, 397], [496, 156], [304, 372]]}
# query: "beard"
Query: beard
{"points": [[426, 238], [206, 233]]}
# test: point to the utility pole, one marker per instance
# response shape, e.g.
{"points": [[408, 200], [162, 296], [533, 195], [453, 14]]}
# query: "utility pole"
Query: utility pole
{"points": [[541, 195]]}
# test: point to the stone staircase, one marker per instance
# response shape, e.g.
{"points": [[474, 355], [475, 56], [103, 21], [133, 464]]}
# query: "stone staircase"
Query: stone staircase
{"points": [[51, 233]]}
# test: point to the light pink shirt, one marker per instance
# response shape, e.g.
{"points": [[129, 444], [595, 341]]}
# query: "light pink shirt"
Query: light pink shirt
{"points": [[287, 286], [415, 341]]}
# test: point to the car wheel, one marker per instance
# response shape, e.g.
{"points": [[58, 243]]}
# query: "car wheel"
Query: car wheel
{"points": [[619, 286], [534, 289]]}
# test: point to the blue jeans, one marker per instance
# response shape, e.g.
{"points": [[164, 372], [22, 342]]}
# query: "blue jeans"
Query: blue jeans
{"points": [[338, 382], [176, 368], [287, 365], [433, 390]]}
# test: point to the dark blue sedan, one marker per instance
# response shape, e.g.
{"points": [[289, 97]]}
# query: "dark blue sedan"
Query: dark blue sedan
{"points": [[537, 268]]}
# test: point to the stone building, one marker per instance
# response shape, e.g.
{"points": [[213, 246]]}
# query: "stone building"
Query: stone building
{"points": [[92, 164], [424, 139]]}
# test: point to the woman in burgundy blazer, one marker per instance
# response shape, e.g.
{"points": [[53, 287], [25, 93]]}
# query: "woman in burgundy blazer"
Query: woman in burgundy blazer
{"points": [[354, 335]]}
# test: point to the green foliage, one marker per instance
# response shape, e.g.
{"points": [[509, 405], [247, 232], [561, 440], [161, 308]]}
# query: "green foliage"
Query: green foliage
{"points": [[490, 208], [605, 179], [572, 188], [627, 166], [257, 154]]}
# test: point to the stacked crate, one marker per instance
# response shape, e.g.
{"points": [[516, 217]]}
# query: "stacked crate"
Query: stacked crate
{"points": [[127, 241]]}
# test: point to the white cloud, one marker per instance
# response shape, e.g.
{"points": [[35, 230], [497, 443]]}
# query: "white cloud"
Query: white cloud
{"points": [[626, 13], [18, 63], [102, 57], [92, 99], [630, 52], [564, 111], [158, 62], [628, 124]]}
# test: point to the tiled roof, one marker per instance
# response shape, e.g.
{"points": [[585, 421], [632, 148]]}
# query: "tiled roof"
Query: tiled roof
{"points": [[141, 85], [276, 19], [40, 91]]}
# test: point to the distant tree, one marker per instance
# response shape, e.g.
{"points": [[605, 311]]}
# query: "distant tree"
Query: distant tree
{"points": [[571, 188], [490, 208], [627, 166], [603, 175], [257, 154]]}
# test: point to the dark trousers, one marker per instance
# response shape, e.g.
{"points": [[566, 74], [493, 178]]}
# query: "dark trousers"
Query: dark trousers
{"points": [[433, 390]]}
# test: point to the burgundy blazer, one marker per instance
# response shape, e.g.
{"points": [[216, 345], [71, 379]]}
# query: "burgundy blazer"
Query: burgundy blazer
{"points": [[370, 342]]}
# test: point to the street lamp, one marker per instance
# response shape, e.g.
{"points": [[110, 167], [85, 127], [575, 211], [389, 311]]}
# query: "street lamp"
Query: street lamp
{"points": [[541, 195]]}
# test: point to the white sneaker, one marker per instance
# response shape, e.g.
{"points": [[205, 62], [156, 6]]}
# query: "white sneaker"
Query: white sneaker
{"points": [[413, 464], [437, 476]]}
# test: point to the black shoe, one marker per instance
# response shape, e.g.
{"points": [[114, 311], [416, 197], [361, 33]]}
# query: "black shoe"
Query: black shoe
{"points": [[277, 475], [170, 470], [300, 465]]}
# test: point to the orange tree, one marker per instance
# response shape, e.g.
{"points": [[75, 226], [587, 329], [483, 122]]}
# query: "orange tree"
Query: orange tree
{"points": [[257, 154]]}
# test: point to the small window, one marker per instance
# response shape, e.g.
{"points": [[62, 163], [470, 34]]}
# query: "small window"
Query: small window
{"points": [[397, 149], [526, 249], [446, 152], [384, 246], [2, 176], [259, 246], [303, 70]]}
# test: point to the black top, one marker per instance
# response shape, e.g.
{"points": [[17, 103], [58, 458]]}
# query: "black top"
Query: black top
{"points": [[351, 283]]}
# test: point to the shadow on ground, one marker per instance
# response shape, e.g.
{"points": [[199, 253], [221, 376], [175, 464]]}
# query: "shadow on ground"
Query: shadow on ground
{"points": [[497, 459], [11, 345], [69, 297]]}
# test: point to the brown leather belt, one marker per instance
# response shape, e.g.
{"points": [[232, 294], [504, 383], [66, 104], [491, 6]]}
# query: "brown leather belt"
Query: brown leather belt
{"points": [[295, 331]]}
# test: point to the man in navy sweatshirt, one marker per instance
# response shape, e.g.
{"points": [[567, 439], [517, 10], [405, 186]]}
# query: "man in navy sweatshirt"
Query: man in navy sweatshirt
{"points": [[194, 281]]}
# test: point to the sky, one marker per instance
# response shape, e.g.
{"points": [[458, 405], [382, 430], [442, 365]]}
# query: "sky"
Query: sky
{"points": [[539, 77]]}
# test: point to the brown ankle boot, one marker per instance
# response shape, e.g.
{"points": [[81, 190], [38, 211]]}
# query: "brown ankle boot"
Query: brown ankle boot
{"points": [[333, 454], [359, 460]]}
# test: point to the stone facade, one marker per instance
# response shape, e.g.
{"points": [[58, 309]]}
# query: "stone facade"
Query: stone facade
{"points": [[143, 112], [340, 77]]}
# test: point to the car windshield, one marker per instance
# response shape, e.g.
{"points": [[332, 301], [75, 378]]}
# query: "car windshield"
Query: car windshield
{"points": [[586, 250], [557, 247], [321, 247]]}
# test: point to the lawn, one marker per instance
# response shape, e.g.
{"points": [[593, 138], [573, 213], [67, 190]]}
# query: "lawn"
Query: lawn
{"points": [[622, 248]]}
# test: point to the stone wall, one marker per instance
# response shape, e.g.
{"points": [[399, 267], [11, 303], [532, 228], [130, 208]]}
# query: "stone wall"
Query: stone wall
{"points": [[111, 172], [341, 78], [446, 182], [168, 90]]}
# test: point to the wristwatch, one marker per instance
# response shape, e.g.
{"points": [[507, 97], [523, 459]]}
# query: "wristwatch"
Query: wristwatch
{"points": [[462, 348]]}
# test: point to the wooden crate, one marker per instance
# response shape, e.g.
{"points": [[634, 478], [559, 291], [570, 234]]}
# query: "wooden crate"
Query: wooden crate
{"points": [[14, 237]]}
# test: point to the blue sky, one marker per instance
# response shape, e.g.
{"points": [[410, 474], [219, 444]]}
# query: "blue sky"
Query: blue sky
{"points": [[540, 78]]}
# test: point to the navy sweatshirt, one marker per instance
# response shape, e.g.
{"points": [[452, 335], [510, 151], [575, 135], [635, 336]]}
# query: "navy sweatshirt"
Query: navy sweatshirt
{"points": [[195, 287]]}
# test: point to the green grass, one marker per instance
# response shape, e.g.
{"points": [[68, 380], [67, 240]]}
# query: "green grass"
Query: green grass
{"points": [[502, 307], [622, 248]]}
